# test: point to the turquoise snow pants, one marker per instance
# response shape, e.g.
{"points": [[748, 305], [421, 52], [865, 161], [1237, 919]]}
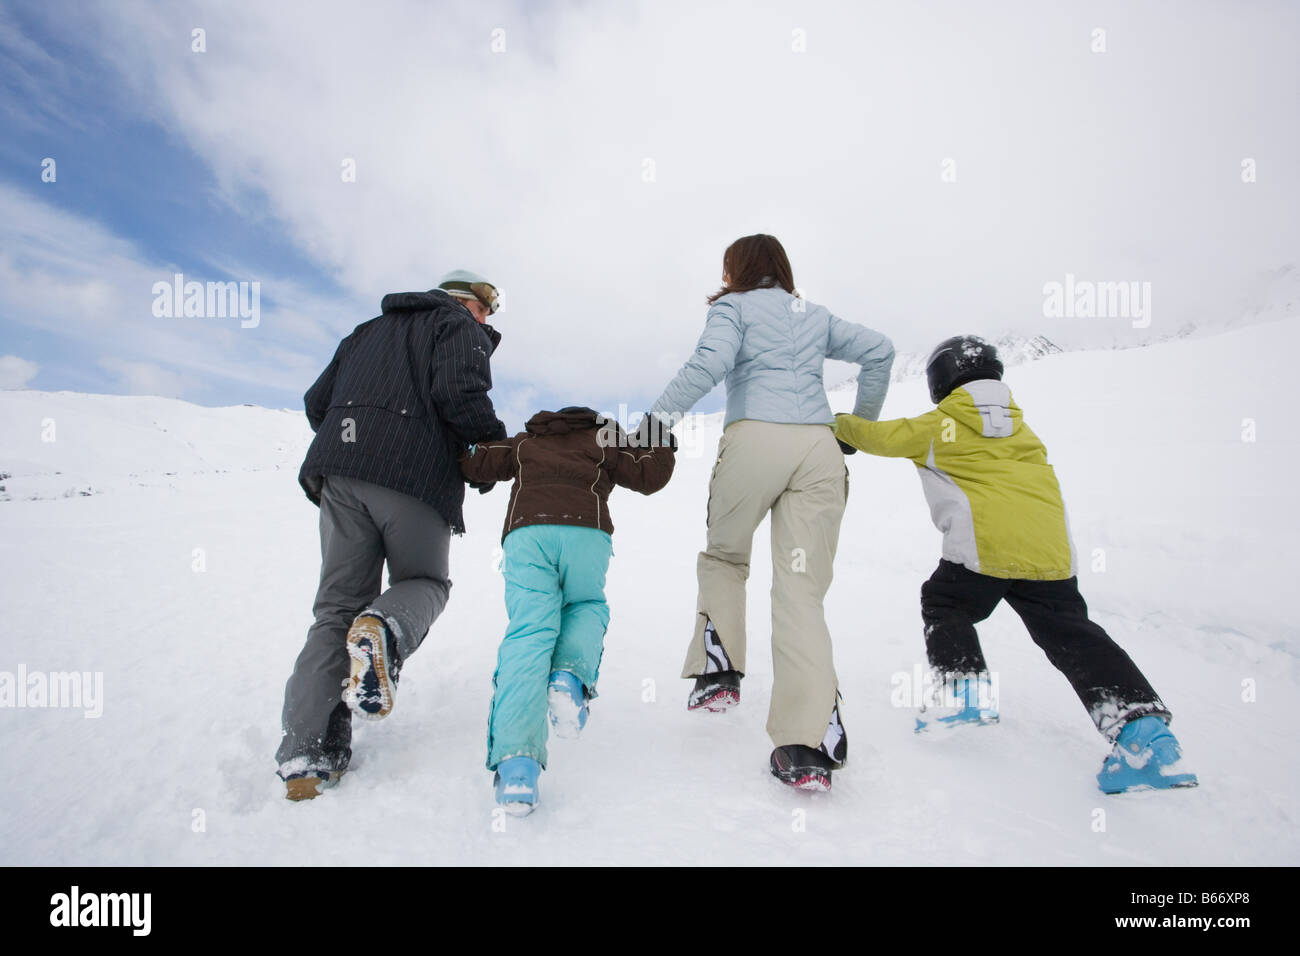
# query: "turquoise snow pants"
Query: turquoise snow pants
{"points": [[555, 596]]}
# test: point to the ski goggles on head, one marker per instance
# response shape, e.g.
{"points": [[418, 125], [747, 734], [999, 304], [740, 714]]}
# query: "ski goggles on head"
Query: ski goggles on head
{"points": [[483, 292], [486, 294]]}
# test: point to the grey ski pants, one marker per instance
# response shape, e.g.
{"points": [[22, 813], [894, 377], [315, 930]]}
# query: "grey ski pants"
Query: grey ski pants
{"points": [[362, 525]]}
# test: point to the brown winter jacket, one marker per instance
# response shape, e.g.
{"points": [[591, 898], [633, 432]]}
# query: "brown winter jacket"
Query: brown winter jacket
{"points": [[564, 466]]}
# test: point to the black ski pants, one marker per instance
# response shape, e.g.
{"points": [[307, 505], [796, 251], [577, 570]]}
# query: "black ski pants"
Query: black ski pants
{"points": [[1103, 676]]}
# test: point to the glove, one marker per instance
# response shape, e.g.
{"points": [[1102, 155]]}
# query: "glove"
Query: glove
{"points": [[483, 487], [653, 432], [844, 446]]}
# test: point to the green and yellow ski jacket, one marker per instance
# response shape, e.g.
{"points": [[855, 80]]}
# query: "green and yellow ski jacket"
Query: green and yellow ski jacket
{"points": [[986, 477]]}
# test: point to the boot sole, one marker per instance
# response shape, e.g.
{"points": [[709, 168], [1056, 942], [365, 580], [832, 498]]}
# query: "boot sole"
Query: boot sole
{"points": [[718, 703], [370, 658], [308, 788], [1146, 787], [566, 722], [925, 726], [810, 781], [813, 779], [518, 809]]}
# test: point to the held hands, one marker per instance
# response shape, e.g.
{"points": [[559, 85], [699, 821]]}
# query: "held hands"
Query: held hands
{"points": [[844, 446], [652, 432], [482, 487]]}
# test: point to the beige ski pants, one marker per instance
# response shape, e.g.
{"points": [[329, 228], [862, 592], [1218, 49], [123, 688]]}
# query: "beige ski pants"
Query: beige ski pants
{"points": [[796, 472]]}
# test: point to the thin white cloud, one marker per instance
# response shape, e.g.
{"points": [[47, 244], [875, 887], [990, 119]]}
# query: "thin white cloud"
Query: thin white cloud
{"points": [[68, 274], [16, 372], [144, 378]]}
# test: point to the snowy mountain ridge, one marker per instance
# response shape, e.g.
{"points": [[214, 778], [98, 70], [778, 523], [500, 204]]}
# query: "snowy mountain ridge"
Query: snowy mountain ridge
{"points": [[66, 444], [1272, 295], [1012, 350]]}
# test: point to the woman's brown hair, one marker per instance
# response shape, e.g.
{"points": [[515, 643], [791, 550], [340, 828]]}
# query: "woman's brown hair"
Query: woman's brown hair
{"points": [[755, 262]]}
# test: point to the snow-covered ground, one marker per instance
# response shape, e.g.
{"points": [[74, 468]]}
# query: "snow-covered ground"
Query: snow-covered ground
{"points": [[168, 548]]}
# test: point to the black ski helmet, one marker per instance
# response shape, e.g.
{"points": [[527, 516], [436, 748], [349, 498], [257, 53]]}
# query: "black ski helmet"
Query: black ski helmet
{"points": [[958, 360]]}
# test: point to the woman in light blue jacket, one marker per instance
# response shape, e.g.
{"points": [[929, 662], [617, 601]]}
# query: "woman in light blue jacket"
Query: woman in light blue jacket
{"points": [[777, 454]]}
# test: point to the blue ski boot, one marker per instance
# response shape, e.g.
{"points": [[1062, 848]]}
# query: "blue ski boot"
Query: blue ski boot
{"points": [[961, 701], [1146, 757], [516, 785], [567, 700]]}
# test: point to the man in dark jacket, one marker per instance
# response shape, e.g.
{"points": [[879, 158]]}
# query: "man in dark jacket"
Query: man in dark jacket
{"points": [[405, 394]]}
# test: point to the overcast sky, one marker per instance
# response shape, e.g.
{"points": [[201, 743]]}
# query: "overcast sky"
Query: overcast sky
{"points": [[594, 160]]}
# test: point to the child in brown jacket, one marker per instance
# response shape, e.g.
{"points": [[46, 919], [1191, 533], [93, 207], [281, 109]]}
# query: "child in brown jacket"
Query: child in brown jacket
{"points": [[557, 545]]}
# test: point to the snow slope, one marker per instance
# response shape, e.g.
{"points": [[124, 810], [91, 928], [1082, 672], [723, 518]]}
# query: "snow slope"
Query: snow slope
{"points": [[1196, 528]]}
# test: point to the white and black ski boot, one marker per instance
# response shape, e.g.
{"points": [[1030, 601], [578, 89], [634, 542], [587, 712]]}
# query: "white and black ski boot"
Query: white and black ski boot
{"points": [[717, 690]]}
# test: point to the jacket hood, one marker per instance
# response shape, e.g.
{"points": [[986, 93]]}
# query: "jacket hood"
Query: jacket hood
{"points": [[429, 302], [415, 301], [571, 419], [985, 406]]}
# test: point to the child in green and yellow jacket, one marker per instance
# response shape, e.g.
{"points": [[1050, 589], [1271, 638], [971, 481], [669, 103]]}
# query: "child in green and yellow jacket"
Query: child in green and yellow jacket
{"points": [[1005, 536]]}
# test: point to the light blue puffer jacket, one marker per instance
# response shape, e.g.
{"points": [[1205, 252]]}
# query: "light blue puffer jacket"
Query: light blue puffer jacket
{"points": [[771, 346]]}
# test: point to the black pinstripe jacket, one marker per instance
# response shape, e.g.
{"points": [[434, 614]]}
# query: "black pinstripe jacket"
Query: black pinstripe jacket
{"points": [[405, 394]]}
